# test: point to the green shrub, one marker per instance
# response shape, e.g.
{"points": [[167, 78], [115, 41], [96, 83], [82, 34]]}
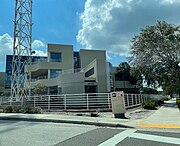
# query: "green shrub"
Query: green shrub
{"points": [[160, 102], [178, 102], [37, 110], [8, 109], [165, 98], [17, 109], [22, 109], [151, 105], [177, 99], [31, 110]]}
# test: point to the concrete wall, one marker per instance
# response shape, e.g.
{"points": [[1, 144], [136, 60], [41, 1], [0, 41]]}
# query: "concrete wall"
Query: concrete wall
{"points": [[45, 65], [87, 56], [91, 65], [66, 54], [72, 83], [101, 76], [109, 76]]}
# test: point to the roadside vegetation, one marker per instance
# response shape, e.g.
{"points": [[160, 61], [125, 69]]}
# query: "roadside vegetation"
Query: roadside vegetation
{"points": [[178, 102], [153, 104], [155, 55], [21, 109]]}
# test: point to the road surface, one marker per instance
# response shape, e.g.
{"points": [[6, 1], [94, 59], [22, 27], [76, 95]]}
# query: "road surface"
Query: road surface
{"points": [[21, 133]]}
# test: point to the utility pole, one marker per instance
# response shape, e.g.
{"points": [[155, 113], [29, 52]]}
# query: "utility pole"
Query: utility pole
{"points": [[22, 47]]}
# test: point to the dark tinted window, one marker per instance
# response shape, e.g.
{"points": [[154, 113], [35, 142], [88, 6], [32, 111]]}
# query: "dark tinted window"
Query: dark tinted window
{"points": [[89, 72]]}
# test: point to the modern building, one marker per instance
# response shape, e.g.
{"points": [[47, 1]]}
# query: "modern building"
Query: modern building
{"points": [[9, 60], [72, 72], [65, 71]]}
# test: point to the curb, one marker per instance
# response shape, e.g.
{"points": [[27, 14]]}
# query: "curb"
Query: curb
{"points": [[66, 121]]}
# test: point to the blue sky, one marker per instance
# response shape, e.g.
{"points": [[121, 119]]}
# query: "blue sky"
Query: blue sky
{"points": [[93, 24]]}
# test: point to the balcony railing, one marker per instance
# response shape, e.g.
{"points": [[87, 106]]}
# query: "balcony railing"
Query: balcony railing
{"points": [[39, 78]]}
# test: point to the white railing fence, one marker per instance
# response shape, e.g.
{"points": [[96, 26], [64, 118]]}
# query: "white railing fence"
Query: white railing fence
{"points": [[91, 101]]}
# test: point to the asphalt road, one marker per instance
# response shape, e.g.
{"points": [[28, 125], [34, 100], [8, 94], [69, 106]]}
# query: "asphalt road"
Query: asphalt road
{"points": [[20, 133]]}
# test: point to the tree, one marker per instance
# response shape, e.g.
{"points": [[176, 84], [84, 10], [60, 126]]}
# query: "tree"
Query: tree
{"points": [[39, 89], [155, 54], [124, 72], [146, 90]]}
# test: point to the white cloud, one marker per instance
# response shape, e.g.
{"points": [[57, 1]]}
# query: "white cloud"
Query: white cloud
{"points": [[39, 53], [6, 45], [111, 24], [38, 44], [6, 48]]}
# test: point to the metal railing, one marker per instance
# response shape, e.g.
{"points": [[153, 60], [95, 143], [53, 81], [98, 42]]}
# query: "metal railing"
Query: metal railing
{"points": [[91, 101]]}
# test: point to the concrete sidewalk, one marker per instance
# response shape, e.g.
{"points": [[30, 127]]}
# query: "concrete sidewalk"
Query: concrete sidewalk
{"points": [[58, 118], [168, 116]]}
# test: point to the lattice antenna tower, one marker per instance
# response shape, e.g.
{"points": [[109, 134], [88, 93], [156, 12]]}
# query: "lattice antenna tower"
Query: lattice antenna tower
{"points": [[22, 47]]}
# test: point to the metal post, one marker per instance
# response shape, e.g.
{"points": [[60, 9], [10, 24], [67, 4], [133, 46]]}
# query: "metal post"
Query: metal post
{"points": [[127, 100], [64, 102], [34, 101], [87, 102], [132, 99], [49, 103], [109, 104], [142, 99], [135, 99], [139, 96]]}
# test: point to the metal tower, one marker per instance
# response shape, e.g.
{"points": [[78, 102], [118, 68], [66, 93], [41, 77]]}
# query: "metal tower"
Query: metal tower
{"points": [[22, 47]]}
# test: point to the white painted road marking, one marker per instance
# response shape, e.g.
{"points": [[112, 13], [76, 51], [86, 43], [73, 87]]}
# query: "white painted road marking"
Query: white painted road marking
{"points": [[130, 133], [156, 138], [117, 138]]}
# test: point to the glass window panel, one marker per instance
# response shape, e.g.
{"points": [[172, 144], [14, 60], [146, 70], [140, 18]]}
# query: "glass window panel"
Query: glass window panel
{"points": [[55, 57], [54, 73]]}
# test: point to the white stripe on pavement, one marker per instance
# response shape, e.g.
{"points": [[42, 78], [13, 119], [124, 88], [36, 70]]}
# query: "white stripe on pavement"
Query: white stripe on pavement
{"points": [[163, 139], [117, 138]]}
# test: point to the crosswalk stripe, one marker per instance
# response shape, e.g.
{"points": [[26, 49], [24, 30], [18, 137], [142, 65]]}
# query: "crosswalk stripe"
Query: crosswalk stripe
{"points": [[117, 138], [156, 138]]}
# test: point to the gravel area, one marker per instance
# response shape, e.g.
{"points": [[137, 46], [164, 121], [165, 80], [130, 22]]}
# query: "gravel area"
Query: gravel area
{"points": [[138, 113]]}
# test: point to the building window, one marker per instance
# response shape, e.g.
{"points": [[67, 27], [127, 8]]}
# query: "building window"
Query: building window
{"points": [[76, 60], [55, 57], [89, 72], [54, 73], [59, 90], [53, 90]]}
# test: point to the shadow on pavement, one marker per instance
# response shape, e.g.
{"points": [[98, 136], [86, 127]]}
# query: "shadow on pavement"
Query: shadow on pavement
{"points": [[7, 125]]}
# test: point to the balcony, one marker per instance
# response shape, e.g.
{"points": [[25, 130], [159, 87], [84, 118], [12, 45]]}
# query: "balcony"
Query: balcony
{"points": [[43, 65], [45, 81]]}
